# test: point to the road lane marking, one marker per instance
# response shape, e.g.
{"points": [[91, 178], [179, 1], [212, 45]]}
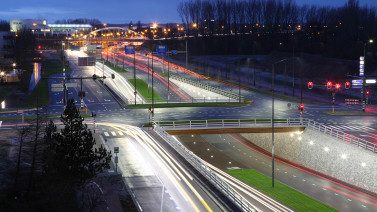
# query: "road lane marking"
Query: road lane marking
{"points": [[106, 134], [113, 133]]}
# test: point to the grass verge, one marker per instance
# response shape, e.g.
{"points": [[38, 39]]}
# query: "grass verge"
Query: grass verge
{"points": [[115, 68], [41, 92], [34, 117], [209, 104], [282, 193], [350, 113], [39, 96], [142, 88]]}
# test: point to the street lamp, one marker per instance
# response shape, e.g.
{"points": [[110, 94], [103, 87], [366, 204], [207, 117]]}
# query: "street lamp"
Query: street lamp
{"points": [[273, 115]]}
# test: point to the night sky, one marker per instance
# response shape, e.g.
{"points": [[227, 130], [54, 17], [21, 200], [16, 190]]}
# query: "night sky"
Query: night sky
{"points": [[113, 11]]}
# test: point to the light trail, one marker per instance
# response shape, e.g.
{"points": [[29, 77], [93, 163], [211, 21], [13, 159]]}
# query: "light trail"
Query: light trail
{"points": [[136, 132]]}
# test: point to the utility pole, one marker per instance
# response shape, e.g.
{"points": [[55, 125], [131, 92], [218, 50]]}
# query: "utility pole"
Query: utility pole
{"points": [[272, 126], [135, 76]]}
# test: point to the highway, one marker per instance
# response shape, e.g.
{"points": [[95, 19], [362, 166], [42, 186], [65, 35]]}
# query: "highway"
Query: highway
{"points": [[155, 176], [108, 110]]}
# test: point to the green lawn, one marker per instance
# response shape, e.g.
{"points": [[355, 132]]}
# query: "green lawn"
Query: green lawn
{"points": [[4, 91], [209, 104], [49, 67], [53, 67], [115, 68], [284, 194], [40, 93], [142, 88]]}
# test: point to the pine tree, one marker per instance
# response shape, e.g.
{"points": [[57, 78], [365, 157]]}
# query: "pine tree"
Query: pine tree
{"points": [[74, 151]]}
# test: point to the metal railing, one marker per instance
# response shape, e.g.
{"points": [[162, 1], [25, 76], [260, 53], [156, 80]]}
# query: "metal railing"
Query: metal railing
{"points": [[232, 123], [206, 171], [207, 87]]}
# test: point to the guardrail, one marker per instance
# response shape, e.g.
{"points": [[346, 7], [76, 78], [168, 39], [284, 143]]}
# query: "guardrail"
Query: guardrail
{"points": [[207, 87], [206, 171], [231, 123]]}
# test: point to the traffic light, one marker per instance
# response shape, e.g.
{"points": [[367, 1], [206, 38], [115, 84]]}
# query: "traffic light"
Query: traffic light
{"points": [[328, 85], [301, 108], [112, 76], [347, 85], [310, 85], [94, 77], [337, 86], [62, 82], [39, 47], [367, 92]]}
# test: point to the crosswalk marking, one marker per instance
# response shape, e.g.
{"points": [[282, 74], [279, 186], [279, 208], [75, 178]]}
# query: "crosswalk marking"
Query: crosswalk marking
{"points": [[112, 133], [351, 128]]}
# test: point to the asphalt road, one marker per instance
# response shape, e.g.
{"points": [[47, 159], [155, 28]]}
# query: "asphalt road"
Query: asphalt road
{"points": [[234, 151]]}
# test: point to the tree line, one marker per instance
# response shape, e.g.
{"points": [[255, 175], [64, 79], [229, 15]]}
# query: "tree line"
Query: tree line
{"points": [[284, 23]]}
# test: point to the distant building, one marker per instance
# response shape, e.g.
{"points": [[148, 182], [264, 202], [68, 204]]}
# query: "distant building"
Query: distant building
{"points": [[38, 26], [6, 48]]}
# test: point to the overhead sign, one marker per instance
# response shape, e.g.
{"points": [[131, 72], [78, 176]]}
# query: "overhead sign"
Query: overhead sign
{"points": [[361, 69], [57, 89], [87, 61], [129, 49], [370, 81], [116, 149], [71, 85], [173, 52], [91, 47], [56, 85], [162, 49]]}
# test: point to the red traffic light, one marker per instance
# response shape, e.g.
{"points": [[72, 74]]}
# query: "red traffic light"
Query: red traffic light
{"points": [[367, 92], [337, 86], [39, 46], [301, 107], [329, 84], [347, 85], [310, 85]]}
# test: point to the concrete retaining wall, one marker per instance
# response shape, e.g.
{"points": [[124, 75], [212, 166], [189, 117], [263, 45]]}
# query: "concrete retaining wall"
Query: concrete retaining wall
{"points": [[325, 154]]}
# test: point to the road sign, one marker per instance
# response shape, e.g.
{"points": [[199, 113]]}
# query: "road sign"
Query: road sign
{"points": [[173, 52], [57, 85], [57, 89], [71, 85], [162, 49], [116, 159], [116, 149], [352, 101], [91, 48], [87, 61], [143, 52], [370, 81], [135, 92], [357, 83], [129, 49]]}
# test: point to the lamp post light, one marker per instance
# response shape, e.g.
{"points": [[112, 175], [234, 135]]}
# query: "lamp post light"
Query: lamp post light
{"points": [[273, 115]]}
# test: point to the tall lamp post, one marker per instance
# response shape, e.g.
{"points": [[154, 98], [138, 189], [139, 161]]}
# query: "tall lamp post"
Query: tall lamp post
{"points": [[273, 114], [363, 92]]}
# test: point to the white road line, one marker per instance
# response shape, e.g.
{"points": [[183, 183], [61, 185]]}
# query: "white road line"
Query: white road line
{"points": [[120, 133], [113, 133], [106, 134]]}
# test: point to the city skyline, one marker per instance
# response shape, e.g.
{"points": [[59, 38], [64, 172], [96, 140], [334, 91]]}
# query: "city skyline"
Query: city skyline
{"points": [[163, 11]]}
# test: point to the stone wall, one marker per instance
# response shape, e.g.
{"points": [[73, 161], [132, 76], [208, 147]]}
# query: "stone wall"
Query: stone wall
{"points": [[325, 154]]}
